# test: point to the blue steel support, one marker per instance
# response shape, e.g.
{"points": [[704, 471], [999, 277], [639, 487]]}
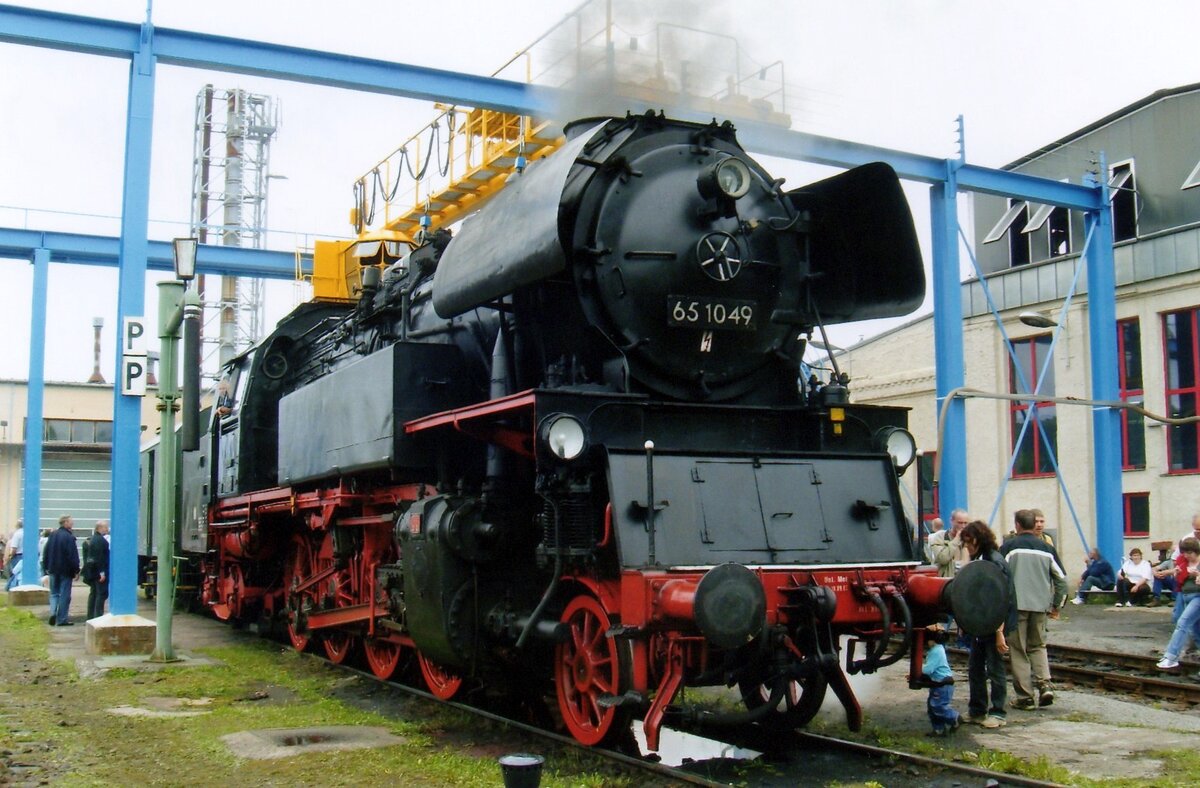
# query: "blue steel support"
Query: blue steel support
{"points": [[118, 39], [131, 285], [30, 573], [1106, 422], [101, 250], [948, 340]]}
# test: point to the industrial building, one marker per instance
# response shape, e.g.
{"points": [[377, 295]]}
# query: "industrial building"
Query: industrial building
{"points": [[76, 452], [1028, 265]]}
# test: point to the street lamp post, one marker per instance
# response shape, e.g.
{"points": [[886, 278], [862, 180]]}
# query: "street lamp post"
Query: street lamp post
{"points": [[171, 308]]}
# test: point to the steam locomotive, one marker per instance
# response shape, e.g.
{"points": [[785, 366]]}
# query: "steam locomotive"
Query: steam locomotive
{"points": [[568, 450]]}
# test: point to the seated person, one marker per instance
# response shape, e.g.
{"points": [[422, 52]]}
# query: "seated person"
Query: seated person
{"points": [[1134, 579], [1164, 578], [1098, 574]]}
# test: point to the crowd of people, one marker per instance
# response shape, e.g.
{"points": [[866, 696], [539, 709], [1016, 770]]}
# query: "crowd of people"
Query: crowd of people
{"points": [[1038, 589], [59, 564]]}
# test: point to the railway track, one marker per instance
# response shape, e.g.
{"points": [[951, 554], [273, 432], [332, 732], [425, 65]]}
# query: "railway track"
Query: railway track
{"points": [[1133, 674], [793, 760]]}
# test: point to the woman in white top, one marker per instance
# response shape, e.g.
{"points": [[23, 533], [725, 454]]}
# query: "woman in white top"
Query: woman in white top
{"points": [[1134, 579]]}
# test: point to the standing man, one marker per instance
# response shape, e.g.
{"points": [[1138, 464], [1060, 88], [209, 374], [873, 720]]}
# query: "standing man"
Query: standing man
{"points": [[1041, 588], [945, 547], [15, 550], [1039, 527], [95, 569], [62, 564]]}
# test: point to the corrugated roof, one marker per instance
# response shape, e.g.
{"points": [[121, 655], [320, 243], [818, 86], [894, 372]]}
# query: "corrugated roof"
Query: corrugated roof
{"points": [[1142, 103]]}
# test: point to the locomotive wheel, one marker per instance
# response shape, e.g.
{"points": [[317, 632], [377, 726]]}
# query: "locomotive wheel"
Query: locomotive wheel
{"points": [[587, 667], [383, 656], [299, 567], [801, 700], [338, 645], [443, 683]]}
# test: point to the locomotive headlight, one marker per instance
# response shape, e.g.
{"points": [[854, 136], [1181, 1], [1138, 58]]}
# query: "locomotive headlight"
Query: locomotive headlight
{"points": [[728, 177], [900, 444], [563, 435]]}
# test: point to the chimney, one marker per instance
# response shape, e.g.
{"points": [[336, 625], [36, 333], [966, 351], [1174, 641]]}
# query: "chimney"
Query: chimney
{"points": [[97, 324], [151, 363]]}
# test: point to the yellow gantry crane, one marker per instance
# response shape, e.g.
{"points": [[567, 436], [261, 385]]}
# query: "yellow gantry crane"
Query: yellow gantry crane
{"points": [[465, 155]]}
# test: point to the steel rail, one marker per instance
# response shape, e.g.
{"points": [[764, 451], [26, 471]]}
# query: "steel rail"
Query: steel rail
{"points": [[1147, 681], [673, 773], [1003, 778], [657, 769]]}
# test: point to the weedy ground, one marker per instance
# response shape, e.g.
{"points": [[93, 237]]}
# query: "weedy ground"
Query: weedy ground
{"points": [[57, 728]]}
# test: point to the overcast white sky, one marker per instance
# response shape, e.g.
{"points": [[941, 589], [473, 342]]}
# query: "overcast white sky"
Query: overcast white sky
{"points": [[893, 73]]}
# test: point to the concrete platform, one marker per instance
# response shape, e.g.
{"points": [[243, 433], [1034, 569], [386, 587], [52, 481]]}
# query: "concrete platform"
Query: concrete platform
{"points": [[127, 641], [29, 596], [125, 635]]}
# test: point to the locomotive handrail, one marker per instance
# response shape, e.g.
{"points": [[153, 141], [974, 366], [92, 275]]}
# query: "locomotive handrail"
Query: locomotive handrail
{"points": [[494, 407]]}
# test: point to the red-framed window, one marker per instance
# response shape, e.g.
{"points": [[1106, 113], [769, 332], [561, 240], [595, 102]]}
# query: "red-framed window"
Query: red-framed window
{"points": [[1137, 513], [1181, 357], [1129, 367], [1032, 450]]}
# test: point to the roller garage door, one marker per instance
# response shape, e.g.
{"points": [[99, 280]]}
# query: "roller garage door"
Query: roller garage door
{"points": [[75, 484]]}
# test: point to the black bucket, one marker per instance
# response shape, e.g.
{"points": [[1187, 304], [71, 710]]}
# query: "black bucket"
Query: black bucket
{"points": [[521, 770]]}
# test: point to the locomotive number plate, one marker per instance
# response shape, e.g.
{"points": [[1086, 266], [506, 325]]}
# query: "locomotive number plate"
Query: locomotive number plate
{"points": [[711, 313]]}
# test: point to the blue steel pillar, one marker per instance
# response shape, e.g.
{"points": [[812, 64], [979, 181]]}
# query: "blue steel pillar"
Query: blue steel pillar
{"points": [[948, 340], [1106, 422], [131, 298], [30, 512]]}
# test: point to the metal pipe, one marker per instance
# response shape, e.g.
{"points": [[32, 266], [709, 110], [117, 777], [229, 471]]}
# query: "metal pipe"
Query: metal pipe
{"points": [[650, 508], [190, 438], [170, 314]]}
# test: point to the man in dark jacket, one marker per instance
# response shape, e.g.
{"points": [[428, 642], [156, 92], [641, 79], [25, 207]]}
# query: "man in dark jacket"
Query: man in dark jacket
{"points": [[1097, 573], [95, 569], [1041, 588], [61, 561]]}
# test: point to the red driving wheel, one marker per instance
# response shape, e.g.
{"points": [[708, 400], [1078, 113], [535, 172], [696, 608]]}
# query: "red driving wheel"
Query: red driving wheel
{"points": [[338, 645], [443, 682], [299, 567], [587, 667], [383, 656]]}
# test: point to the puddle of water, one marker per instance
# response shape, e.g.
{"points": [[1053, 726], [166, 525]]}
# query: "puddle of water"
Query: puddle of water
{"points": [[674, 747]]}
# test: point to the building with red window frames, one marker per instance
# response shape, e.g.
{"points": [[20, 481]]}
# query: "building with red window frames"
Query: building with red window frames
{"points": [[1028, 257]]}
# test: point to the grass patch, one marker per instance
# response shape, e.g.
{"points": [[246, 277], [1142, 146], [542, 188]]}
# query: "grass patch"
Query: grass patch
{"points": [[58, 727]]}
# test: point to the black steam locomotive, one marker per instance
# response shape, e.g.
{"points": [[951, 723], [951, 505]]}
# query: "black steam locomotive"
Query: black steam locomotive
{"points": [[568, 451]]}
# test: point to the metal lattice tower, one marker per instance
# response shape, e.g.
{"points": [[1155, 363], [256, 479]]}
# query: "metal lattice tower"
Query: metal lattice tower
{"points": [[229, 202]]}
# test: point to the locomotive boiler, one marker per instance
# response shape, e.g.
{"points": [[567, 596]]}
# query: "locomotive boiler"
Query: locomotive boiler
{"points": [[567, 450]]}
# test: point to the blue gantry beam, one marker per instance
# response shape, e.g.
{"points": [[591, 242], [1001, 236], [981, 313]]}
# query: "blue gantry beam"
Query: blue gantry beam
{"points": [[102, 250], [145, 46]]}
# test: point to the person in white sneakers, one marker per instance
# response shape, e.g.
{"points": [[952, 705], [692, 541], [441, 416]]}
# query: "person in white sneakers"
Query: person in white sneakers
{"points": [[1189, 593]]}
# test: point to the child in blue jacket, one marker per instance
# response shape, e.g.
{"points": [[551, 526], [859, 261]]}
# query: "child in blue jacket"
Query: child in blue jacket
{"points": [[937, 676]]}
